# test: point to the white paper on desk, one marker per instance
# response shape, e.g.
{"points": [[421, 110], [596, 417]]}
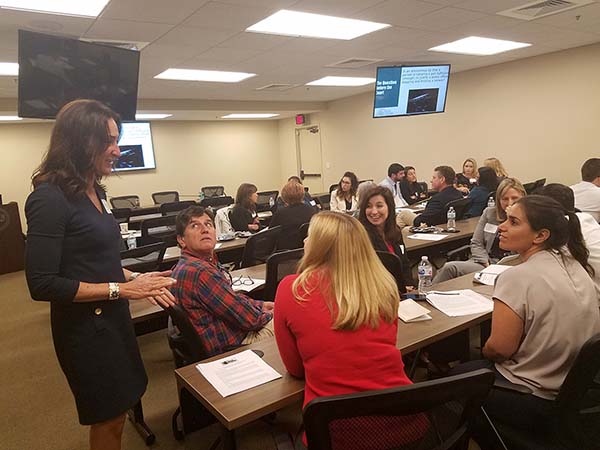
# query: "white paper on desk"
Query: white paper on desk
{"points": [[411, 311], [237, 373], [218, 244], [488, 275], [427, 237], [256, 283], [465, 303]]}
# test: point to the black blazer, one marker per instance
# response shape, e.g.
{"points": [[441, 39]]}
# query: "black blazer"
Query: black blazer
{"points": [[240, 218], [411, 191], [434, 213], [399, 250], [290, 218]]}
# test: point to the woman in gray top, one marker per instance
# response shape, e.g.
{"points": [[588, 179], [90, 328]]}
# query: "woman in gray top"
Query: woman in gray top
{"points": [[484, 244]]}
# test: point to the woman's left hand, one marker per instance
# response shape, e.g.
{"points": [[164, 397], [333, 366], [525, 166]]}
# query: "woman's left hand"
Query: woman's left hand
{"points": [[164, 299]]}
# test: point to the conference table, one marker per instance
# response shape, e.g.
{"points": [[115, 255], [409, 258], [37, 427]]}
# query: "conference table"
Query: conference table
{"points": [[244, 407]]}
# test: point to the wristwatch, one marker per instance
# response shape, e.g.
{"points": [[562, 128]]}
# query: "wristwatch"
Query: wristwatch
{"points": [[113, 291]]}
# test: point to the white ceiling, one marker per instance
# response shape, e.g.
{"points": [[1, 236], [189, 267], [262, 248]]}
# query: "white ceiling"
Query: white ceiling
{"points": [[203, 34]]}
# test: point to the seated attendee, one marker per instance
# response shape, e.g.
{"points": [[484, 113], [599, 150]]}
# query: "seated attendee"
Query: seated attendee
{"points": [[392, 182], [587, 192], [336, 321], [442, 181], [545, 309], [467, 180], [496, 164], [222, 317], [377, 214], [243, 216], [410, 188], [479, 195], [307, 197], [363, 187], [485, 249], [344, 198], [291, 216], [589, 227]]}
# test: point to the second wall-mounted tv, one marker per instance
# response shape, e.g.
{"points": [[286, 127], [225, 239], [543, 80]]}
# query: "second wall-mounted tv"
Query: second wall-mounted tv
{"points": [[137, 150], [410, 90]]}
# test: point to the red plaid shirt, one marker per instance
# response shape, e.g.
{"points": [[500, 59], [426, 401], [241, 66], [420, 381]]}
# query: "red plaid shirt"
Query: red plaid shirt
{"points": [[221, 316]]}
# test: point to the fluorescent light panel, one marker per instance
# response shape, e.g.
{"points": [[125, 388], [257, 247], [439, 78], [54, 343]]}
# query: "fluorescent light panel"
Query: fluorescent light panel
{"points": [[87, 8], [149, 116], [296, 23], [8, 118], [480, 46], [203, 75], [341, 81], [9, 69], [249, 116]]}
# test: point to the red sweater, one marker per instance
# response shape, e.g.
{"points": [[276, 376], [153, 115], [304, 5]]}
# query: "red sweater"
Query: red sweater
{"points": [[333, 361]]}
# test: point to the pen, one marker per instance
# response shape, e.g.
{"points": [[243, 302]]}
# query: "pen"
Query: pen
{"points": [[228, 361], [443, 293]]}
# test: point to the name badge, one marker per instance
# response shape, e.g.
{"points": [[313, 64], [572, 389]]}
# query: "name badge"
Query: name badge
{"points": [[402, 249], [313, 203], [106, 206], [490, 228]]}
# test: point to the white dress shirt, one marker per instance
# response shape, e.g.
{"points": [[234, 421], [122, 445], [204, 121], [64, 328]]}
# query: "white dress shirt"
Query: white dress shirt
{"points": [[394, 186], [587, 198], [591, 235]]}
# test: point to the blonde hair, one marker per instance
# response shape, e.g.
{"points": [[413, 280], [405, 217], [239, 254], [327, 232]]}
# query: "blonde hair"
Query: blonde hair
{"points": [[292, 193], [472, 161], [360, 291], [495, 164], [505, 185]]}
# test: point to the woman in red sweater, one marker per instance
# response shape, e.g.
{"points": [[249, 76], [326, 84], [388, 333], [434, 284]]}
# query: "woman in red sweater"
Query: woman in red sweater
{"points": [[336, 321]]}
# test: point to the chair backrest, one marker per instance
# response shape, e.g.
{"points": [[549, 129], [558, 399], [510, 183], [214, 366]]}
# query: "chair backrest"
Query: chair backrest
{"points": [[393, 264], [279, 265], [121, 215], [217, 202], [461, 206], [159, 229], [213, 191], [539, 184], [125, 201], [165, 197], [333, 187], [578, 401], [222, 222], [173, 208], [260, 246], [146, 258], [303, 230], [428, 415], [529, 187], [194, 349], [263, 203], [424, 185], [324, 201]]}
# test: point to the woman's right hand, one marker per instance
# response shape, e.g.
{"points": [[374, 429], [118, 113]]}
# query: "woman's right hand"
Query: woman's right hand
{"points": [[143, 287]]}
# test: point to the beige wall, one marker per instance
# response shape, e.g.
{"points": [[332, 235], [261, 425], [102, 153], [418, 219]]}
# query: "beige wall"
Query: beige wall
{"points": [[189, 155], [540, 116]]}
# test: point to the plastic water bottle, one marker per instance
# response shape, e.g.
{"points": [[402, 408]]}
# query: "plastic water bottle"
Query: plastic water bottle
{"points": [[491, 202], [451, 226], [131, 241], [271, 202], [425, 271]]}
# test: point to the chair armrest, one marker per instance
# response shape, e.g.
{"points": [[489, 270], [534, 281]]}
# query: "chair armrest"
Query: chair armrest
{"points": [[508, 386], [456, 252]]}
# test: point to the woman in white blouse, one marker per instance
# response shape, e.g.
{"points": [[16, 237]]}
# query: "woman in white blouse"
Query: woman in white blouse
{"points": [[345, 198]]}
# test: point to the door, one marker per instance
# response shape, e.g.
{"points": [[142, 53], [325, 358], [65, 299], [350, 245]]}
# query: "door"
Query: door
{"points": [[308, 153]]}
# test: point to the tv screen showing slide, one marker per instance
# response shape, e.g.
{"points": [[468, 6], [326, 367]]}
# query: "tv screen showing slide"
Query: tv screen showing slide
{"points": [[410, 90], [137, 151]]}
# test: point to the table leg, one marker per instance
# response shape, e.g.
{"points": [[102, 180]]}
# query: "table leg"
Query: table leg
{"points": [[228, 439], [136, 415]]}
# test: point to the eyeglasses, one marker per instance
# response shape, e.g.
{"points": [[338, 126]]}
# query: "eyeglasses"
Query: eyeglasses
{"points": [[243, 281]]}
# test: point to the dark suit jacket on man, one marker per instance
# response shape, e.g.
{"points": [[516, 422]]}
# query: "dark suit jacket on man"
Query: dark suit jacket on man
{"points": [[435, 212]]}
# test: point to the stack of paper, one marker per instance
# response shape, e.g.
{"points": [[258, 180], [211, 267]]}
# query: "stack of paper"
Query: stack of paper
{"points": [[237, 373], [489, 274], [427, 237], [460, 303], [411, 311]]}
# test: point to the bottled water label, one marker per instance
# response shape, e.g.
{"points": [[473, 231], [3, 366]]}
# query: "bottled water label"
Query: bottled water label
{"points": [[425, 271]]}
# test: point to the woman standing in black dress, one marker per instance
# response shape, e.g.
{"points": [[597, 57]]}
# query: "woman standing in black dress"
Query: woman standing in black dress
{"points": [[73, 262]]}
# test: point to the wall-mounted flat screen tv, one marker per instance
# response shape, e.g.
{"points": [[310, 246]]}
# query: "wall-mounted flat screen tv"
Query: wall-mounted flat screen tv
{"points": [[54, 70], [410, 90], [137, 151]]}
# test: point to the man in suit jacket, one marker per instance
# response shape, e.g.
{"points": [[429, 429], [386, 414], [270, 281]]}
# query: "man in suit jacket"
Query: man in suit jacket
{"points": [[442, 181]]}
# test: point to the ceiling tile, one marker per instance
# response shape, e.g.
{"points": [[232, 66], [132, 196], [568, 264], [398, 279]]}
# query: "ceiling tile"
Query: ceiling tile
{"points": [[586, 18], [274, 4], [45, 23], [490, 6], [157, 11], [255, 41], [228, 54], [226, 16], [443, 19], [127, 30], [396, 12], [485, 25], [200, 38], [340, 8]]}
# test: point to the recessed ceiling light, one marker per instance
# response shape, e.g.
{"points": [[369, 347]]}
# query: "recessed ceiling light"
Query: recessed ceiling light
{"points": [[144, 116], [295, 23], [203, 75], [88, 8], [8, 118], [341, 81], [475, 45], [9, 69], [249, 116]]}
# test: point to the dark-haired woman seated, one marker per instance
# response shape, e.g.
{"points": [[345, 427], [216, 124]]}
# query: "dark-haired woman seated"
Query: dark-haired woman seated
{"points": [[243, 216], [291, 216], [479, 195], [344, 198], [410, 188]]}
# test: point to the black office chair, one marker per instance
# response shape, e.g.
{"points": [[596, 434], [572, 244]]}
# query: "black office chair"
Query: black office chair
{"points": [[165, 197], [260, 246], [576, 423], [159, 229], [324, 201], [146, 258], [213, 191], [539, 184], [333, 187], [121, 215], [304, 231], [393, 264], [217, 203], [461, 206], [125, 201], [431, 415], [263, 203], [529, 187], [173, 208], [424, 186], [279, 265]]}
